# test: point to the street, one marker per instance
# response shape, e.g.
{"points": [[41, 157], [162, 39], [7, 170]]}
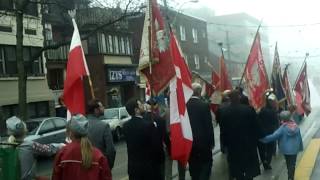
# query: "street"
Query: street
{"points": [[219, 171]]}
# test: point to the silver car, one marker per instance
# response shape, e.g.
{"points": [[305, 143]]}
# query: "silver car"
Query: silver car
{"points": [[47, 130], [116, 117]]}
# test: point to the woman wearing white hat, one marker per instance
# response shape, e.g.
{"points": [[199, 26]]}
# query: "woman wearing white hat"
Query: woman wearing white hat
{"points": [[28, 150]]}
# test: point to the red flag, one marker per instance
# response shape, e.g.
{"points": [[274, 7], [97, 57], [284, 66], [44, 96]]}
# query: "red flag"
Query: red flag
{"points": [[302, 91], [162, 70], [73, 92], [256, 75], [225, 83], [287, 87], [215, 79], [180, 92]]}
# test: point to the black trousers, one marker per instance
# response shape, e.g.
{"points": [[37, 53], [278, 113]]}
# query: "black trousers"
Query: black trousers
{"points": [[266, 151], [200, 169], [291, 165]]}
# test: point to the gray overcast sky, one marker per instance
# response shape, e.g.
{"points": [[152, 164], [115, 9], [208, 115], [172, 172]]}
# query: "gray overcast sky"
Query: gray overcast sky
{"points": [[292, 41]]}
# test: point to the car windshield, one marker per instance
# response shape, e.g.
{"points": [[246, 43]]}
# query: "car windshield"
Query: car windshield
{"points": [[32, 127], [111, 113]]}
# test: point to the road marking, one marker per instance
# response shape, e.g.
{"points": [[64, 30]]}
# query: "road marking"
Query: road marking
{"points": [[307, 162]]}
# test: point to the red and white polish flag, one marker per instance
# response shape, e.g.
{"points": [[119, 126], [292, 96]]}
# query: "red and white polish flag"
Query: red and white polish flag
{"points": [[180, 92], [77, 68]]}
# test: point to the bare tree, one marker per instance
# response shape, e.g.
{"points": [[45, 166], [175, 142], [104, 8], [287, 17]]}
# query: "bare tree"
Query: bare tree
{"points": [[125, 9]]}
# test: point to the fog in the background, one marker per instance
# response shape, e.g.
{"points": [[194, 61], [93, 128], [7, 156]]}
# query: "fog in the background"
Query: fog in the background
{"points": [[294, 24]]}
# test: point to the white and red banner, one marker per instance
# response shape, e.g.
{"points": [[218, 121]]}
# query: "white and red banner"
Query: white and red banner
{"points": [[302, 92], [162, 70], [180, 92], [73, 92], [256, 75]]}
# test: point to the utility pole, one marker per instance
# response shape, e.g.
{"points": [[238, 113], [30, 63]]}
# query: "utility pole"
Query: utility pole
{"points": [[228, 45]]}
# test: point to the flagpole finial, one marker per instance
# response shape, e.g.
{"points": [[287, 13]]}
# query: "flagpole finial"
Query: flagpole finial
{"points": [[72, 13]]}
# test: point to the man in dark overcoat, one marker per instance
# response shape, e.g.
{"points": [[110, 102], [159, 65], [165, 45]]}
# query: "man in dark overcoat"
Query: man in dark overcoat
{"points": [[269, 120], [241, 135], [200, 160]]}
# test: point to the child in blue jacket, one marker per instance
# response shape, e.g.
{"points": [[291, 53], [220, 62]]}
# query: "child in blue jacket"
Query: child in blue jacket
{"points": [[290, 141]]}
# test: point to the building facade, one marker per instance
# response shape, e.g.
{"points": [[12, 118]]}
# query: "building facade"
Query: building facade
{"points": [[108, 53], [191, 33], [236, 32], [39, 97]]}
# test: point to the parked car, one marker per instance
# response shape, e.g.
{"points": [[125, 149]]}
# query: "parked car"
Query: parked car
{"points": [[116, 117], [47, 130]]}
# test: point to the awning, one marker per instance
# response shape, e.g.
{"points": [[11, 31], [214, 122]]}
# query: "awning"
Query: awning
{"points": [[37, 90]]}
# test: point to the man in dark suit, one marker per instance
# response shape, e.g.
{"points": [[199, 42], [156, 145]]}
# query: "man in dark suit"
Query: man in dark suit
{"points": [[241, 133], [138, 134], [200, 161], [99, 132]]}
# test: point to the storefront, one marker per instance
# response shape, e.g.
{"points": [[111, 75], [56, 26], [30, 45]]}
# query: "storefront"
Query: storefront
{"points": [[120, 85]]}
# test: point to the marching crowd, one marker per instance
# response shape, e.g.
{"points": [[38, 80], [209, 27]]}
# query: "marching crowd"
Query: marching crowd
{"points": [[246, 138]]}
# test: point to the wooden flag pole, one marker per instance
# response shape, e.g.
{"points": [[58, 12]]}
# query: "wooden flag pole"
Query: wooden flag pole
{"points": [[245, 68], [91, 87]]}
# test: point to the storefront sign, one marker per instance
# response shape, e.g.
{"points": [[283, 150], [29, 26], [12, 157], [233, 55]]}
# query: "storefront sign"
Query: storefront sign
{"points": [[121, 74]]}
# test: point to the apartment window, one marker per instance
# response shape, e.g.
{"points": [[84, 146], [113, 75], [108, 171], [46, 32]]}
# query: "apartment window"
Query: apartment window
{"points": [[30, 31], [206, 59], [203, 34], [6, 4], [182, 33], [9, 111], [102, 43], [32, 9], [128, 46], [8, 63], [55, 79], [2, 64], [116, 45], [196, 61], [10, 60], [38, 109], [195, 35], [5, 28], [110, 44], [123, 45]]}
